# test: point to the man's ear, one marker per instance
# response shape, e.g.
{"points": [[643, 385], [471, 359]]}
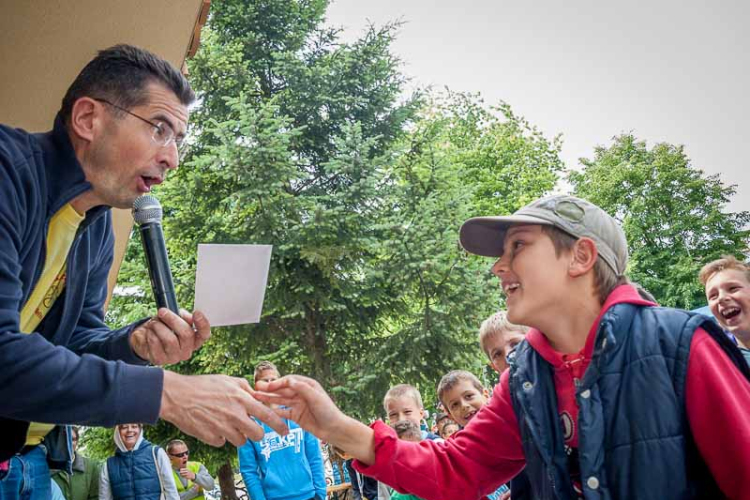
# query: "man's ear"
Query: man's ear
{"points": [[583, 257], [486, 393], [86, 118]]}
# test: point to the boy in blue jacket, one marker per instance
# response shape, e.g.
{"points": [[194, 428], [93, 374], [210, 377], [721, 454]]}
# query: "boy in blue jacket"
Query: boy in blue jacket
{"points": [[282, 467]]}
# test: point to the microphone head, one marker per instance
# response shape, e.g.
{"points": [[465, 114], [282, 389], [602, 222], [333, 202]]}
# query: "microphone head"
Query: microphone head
{"points": [[147, 209]]}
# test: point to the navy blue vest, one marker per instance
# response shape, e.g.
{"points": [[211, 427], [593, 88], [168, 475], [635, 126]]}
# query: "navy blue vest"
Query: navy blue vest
{"points": [[633, 434], [133, 474]]}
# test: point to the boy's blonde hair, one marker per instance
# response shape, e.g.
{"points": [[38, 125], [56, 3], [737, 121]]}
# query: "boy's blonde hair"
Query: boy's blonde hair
{"points": [[401, 390], [494, 325], [453, 378], [726, 262], [605, 278], [263, 366]]}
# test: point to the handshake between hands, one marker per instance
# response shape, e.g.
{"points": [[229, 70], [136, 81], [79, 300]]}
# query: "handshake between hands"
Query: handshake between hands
{"points": [[218, 408]]}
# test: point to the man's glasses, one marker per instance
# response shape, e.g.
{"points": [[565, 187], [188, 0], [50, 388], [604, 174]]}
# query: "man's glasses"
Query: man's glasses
{"points": [[180, 455], [162, 134]]}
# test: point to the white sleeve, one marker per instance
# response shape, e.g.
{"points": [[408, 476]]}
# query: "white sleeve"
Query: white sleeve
{"points": [[167, 478], [105, 493]]}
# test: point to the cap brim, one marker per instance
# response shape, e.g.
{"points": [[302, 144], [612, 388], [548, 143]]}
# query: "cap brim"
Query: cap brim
{"points": [[486, 235]]}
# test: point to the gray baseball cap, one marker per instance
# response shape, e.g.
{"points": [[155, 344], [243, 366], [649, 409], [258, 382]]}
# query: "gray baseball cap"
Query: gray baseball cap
{"points": [[574, 216]]}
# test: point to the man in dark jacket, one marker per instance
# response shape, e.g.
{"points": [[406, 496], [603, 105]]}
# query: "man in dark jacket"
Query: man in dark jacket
{"points": [[117, 134]]}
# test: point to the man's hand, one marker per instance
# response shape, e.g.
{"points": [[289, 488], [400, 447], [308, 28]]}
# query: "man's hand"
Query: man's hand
{"points": [[306, 403], [168, 338], [215, 408]]}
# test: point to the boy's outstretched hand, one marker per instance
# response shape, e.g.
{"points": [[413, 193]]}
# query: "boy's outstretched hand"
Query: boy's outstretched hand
{"points": [[306, 403]]}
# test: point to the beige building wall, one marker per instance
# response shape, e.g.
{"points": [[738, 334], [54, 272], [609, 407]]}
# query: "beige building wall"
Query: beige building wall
{"points": [[45, 43]]}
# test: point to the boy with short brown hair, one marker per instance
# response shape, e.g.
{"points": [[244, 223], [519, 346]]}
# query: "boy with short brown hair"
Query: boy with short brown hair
{"points": [[608, 396], [462, 395], [727, 283]]}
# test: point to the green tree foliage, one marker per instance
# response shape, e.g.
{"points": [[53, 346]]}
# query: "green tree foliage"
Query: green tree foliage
{"points": [[673, 214], [311, 145]]}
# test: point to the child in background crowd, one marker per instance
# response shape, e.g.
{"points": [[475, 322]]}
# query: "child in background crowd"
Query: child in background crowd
{"points": [[407, 431], [498, 337], [441, 421], [449, 429], [282, 467], [463, 395], [727, 283], [404, 402]]}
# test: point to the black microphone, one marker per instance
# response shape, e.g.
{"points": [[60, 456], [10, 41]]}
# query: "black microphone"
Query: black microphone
{"points": [[147, 214]]}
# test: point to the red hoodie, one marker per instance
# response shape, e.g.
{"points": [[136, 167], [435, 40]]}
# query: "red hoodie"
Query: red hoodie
{"points": [[488, 452]]}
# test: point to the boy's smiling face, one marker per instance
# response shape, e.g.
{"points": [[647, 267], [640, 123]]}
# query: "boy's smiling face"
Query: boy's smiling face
{"points": [[404, 408], [728, 294], [463, 401], [532, 276]]}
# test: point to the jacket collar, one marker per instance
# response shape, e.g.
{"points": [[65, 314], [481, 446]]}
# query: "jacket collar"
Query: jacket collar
{"points": [[623, 294], [64, 174]]}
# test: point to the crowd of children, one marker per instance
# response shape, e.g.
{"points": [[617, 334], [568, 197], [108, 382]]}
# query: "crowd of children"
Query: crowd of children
{"points": [[460, 395], [607, 395]]}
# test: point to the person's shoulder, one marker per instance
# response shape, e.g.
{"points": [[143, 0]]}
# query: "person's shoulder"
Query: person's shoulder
{"points": [[16, 144], [669, 320]]}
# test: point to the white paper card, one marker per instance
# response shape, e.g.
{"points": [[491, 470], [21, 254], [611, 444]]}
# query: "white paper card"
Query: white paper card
{"points": [[230, 282]]}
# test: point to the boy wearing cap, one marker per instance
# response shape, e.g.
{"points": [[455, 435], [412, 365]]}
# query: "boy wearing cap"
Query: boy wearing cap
{"points": [[609, 397]]}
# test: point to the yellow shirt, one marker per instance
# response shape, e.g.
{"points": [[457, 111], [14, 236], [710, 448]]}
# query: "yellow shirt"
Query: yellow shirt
{"points": [[62, 232]]}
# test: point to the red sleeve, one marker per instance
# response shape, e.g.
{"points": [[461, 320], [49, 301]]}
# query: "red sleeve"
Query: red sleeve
{"points": [[718, 407], [473, 463]]}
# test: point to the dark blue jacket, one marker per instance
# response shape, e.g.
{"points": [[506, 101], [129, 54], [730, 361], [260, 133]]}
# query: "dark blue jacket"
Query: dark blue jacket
{"points": [[633, 434], [133, 475], [59, 374]]}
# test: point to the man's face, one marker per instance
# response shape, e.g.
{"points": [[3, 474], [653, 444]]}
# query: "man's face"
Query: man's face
{"points": [[464, 401], [178, 455], [404, 408], [124, 161], [499, 345], [74, 438], [129, 434], [532, 276], [728, 294]]}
